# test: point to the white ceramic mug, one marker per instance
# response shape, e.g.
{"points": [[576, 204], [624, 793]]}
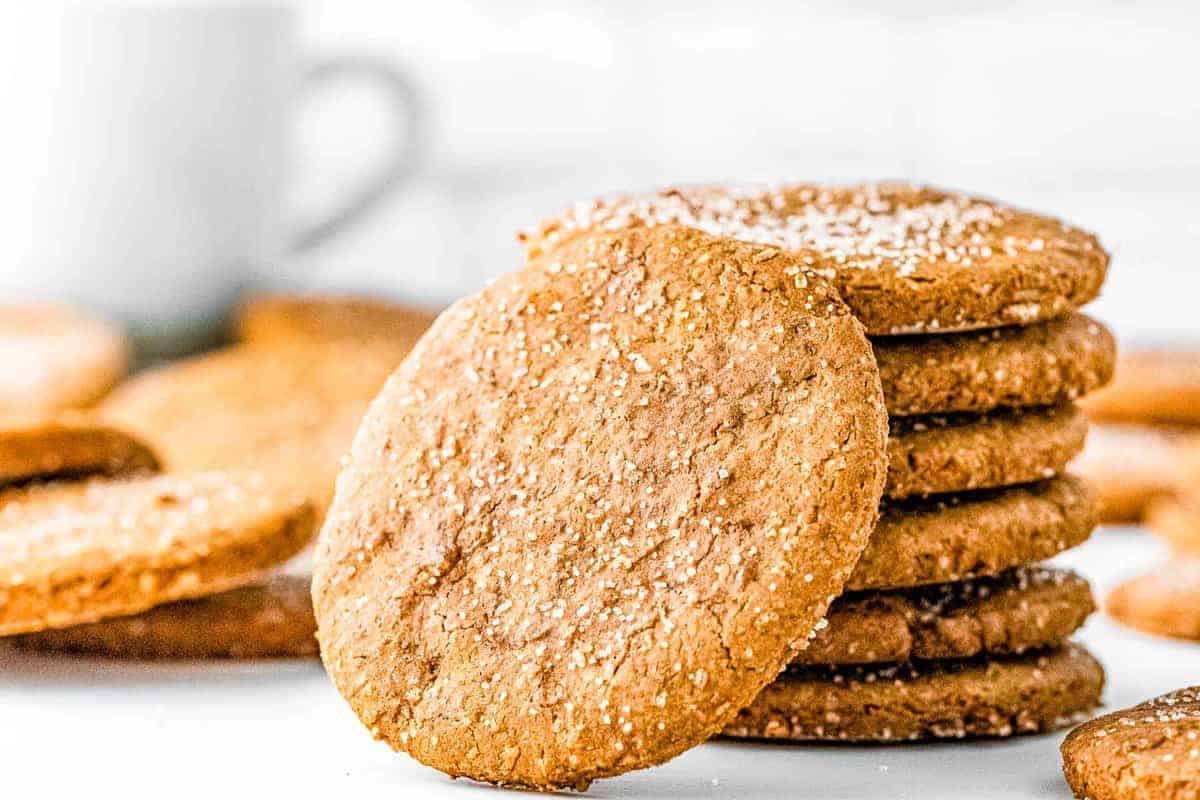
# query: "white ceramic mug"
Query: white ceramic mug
{"points": [[145, 156]]}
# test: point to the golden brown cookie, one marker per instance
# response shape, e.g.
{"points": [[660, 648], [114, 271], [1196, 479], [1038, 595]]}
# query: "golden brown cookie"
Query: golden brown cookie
{"points": [[1036, 365], [273, 619], [1176, 520], [77, 552], [1151, 386], [52, 357], [1023, 609], [990, 697], [959, 452], [906, 259], [1130, 467], [585, 521], [955, 537], [68, 444], [1165, 602], [309, 319], [287, 412], [1148, 752]]}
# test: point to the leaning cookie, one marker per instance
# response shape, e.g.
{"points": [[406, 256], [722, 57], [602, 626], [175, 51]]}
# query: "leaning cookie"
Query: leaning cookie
{"points": [[78, 552], [905, 258], [588, 517], [53, 358], [1164, 602], [956, 453], [989, 697], [273, 619], [1148, 752], [1023, 609], [68, 444], [954, 537]]}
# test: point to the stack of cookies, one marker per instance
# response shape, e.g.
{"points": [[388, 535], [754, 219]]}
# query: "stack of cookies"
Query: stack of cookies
{"points": [[949, 627]]}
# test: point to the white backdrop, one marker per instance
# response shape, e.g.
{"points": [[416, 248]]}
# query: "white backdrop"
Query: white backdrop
{"points": [[1083, 109]]}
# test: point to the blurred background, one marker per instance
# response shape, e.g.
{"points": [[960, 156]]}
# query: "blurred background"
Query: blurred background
{"points": [[476, 118]]}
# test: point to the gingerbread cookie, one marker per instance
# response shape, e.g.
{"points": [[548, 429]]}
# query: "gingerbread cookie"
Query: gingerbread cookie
{"points": [[309, 319], [1023, 609], [1176, 520], [586, 520], [286, 412], [52, 358], [1037, 365], [68, 444], [1148, 752], [906, 259], [77, 552], [1165, 602], [273, 619], [926, 700], [1151, 386], [1130, 467], [955, 537], [961, 452]]}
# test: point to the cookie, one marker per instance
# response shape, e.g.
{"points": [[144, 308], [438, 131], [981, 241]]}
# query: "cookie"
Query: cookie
{"points": [[287, 412], [959, 452], [77, 552], [1037, 365], [1148, 752], [1176, 520], [308, 319], [1159, 386], [906, 259], [273, 619], [990, 697], [955, 537], [68, 444], [585, 521], [1165, 602], [52, 357], [1023, 609], [1130, 467]]}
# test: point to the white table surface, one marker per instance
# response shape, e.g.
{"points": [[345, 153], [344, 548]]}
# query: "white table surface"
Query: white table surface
{"points": [[192, 729]]}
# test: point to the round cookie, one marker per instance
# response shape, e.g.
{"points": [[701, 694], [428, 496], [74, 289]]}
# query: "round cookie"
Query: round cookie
{"points": [[905, 258], [960, 452], [1165, 602], [1151, 386], [68, 444], [52, 357], [1024, 609], [1047, 364], [1130, 467], [926, 700], [77, 552], [273, 619], [955, 537], [287, 412], [1176, 520], [1148, 752], [309, 319], [563, 546]]}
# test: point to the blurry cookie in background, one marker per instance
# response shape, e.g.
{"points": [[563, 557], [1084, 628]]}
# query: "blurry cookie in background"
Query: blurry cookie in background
{"points": [[1150, 386], [68, 444], [304, 319], [288, 412], [52, 357], [1164, 602], [1130, 467]]}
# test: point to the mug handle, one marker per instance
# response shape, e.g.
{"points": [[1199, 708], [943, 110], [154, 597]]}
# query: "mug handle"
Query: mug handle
{"points": [[405, 153]]}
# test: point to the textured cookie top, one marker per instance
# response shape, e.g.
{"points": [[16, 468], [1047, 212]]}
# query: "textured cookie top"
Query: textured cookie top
{"points": [[1149, 751], [68, 444], [75, 552], [584, 521], [53, 358], [906, 259], [306, 319], [287, 412]]}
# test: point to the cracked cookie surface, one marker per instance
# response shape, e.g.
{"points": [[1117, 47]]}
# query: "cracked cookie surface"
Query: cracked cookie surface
{"points": [[585, 521], [905, 258]]}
